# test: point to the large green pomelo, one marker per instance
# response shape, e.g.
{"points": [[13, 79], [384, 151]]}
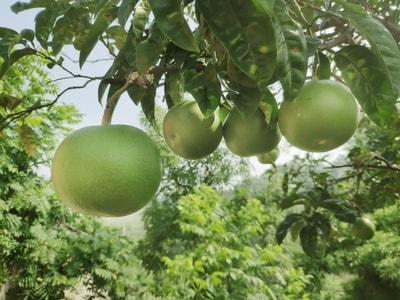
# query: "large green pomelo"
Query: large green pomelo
{"points": [[322, 117], [111, 170]]}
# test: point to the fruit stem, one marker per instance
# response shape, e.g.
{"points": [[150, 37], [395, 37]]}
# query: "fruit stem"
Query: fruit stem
{"points": [[144, 80]]}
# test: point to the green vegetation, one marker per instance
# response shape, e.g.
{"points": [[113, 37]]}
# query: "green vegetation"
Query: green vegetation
{"points": [[211, 230]]}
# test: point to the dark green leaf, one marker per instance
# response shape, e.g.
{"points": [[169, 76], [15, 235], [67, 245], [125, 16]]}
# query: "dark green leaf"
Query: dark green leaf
{"points": [[9, 102], [323, 223], [368, 81], [27, 34], [28, 138], [173, 88], [292, 59], [14, 57], [309, 240], [21, 6], [247, 34], [148, 104], [292, 200], [324, 67], [125, 10], [312, 45], [346, 215], [382, 43], [205, 88], [285, 225], [246, 99], [148, 51], [44, 22], [95, 31], [170, 18], [268, 6]]}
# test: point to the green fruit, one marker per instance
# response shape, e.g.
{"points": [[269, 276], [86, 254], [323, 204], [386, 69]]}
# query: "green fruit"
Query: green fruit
{"points": [[269, 157], [363, 228], [111, 170], [188, 133], [249, 136], [322, 117]]}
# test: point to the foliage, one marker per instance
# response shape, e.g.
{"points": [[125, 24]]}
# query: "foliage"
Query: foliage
{"points": [[179, 177], [324, 195], [229, 53], [225, 254]]}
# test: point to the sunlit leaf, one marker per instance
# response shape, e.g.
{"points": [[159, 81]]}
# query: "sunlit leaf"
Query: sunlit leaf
{"points": [[96, 30], [171, 20], [382, 43], [28, 139], [363, 74]]}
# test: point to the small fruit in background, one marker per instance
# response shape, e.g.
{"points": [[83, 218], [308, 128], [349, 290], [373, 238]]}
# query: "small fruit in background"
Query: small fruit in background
{"points": [[110, 170], [188, 133], [269, 157], [363, 228]]}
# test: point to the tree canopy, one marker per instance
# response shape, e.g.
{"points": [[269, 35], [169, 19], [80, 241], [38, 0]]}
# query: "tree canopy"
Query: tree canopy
{"points": [[226, 53]]}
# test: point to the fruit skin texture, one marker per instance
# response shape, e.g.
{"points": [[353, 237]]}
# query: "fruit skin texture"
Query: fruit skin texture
{"points": [[111, 170], [363, 228], [322, 117], [249, 136], [188, 133]]}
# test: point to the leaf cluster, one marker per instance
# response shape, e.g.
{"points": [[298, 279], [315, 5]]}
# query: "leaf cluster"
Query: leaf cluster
{"points": [[226, 53]]}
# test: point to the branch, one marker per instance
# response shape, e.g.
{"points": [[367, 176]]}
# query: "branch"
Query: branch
{"points": [[143, 80]]}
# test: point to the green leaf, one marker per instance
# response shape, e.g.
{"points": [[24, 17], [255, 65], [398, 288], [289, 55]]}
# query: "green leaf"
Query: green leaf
{"points": [[268, 6], [148, 104], [14, 57], [170, 18], [342, 209], [309, 240], [28, 139], [21, 6], [292, 54], [382, 43], [324, 67], [9, 102], [295, 229], [44, 22], [205, 88], [247, 34], [173, 88], [246, 99], [363, 74], [148, 51], [95, 32], [125, 11], [285, 225], [292, 200], [323, 223]]}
